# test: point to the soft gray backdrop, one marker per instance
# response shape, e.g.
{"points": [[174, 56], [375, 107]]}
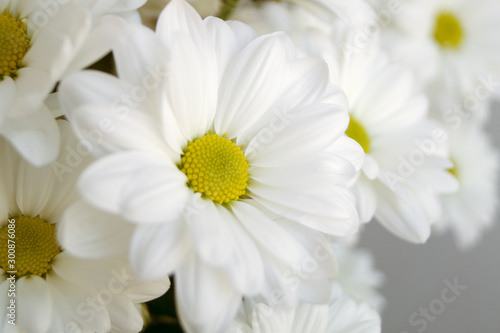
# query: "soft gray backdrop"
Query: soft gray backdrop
{"points": [[415, 276]]}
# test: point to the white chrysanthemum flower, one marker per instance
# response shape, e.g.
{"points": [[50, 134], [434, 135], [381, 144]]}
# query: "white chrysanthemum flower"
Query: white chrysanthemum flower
{"points": [[341, 315], [43, 288], [404, 171], [218, 161], [388, 119], [469, 212], [450, 44], [40, 41], [358, 277]]}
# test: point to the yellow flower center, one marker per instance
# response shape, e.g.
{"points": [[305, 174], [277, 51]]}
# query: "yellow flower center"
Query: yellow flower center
{"points": [[448, 31], [357, 132], [34, 248], [215, 167], [14, 44]]}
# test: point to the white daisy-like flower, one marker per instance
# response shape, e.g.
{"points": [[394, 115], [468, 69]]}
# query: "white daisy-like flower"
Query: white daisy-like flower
{"points": [[341, 315], [469, 212], [40, 41], [43, 288], [220, 166], [449, 44], [400, 183], [404, 172], [358, 277]]}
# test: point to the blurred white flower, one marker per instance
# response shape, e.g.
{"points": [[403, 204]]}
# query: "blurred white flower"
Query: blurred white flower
{"points": [[341, 315], [358, 277], [404, 172], [221, 166], [40, 41], [470, 211], [450, 45], [55, 291], [303, 19]]}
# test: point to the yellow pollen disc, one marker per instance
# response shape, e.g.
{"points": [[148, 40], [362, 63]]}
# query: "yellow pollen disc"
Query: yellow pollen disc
{"points": [[357, 132], [14, 44], [35, 246], [215, 167], [448, 31]]}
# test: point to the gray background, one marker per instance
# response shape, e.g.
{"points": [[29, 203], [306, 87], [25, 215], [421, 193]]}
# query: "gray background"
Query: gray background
{"points": [[415, 275]]}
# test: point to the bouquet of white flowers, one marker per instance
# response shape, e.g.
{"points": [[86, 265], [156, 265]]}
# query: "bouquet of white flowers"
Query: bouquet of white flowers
{"points": [[237, 148]]}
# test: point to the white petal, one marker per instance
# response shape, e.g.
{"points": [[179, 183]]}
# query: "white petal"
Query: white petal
{"points": [[156, 251], [32, 87], [191, 87], [78, 299], [229, 39], [245, 268], [36, 137], [366, 199], [135, 56], [7, 95], [400, 218], [115, 131], [124, 315], [250, 85], [269, 234], [65, 170], [95, 88], [102, 182], [179, 16], [206, 301], [58, 41], [106, 31], [90, 233], [141, 291], [34, 188], [35, 304], [330, 210], [100, 273], [155, 195], [299, 134], [210, 232]]}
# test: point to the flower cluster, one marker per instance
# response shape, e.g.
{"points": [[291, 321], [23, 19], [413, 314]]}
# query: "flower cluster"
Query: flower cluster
{"points": [[239, 154]]}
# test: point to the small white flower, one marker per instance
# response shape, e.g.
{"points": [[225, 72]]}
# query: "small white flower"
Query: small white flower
{"points": [[449, 44], [55, 291], [341, 315], [469, 212], [40, 41], [217, 159]]}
